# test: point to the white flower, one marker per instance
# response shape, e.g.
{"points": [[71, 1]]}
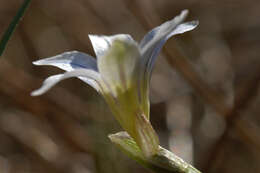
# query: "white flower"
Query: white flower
{"points": [[121, 73]]}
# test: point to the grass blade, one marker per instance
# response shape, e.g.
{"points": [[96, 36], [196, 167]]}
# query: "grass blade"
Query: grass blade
{"points": [[8, 33]]}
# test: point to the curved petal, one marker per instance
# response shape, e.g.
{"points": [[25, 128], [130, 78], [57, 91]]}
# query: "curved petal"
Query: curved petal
{"points": [[69, 61], [161, 31], [184, 27], [89, 76], [152, 42], [102, 43], [152, 54]]}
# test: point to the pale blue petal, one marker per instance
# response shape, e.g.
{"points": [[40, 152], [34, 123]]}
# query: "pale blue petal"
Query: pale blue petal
{"points": [[102, 43], [152, 42], [184, 27], [163, 30], [69, 61], [89, 76], [153, 54]]}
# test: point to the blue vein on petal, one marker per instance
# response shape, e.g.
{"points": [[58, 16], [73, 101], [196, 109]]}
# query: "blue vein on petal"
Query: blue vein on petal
{"points": [[148, 37], [86, 66], [78, 66], [153, 56], [76, 61]]}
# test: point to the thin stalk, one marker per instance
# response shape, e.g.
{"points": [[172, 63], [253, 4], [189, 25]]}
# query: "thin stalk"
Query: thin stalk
{"points": [[9, 31]]}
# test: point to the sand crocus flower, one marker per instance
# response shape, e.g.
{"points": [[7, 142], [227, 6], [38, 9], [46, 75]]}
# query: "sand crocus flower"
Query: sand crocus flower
{"points": [[121, 74]]}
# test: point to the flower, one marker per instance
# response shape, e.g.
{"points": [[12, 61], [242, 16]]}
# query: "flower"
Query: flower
{"points": [[121, 74]]}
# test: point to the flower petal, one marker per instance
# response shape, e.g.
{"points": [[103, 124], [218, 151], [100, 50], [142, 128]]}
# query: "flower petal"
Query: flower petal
{"points": [[69, 61], [89, 76], [102, 43], [184, 27], [158, 33], [152, 42], [119, 64]]}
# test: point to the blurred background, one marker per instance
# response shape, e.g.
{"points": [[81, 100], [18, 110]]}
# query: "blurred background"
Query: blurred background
{"points": [[204, 88]]}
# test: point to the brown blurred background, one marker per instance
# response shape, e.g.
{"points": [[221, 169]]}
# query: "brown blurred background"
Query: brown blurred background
{"points": [[204, 88]]}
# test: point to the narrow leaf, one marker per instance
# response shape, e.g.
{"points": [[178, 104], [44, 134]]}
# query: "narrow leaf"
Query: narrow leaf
{"points": [[8, 33]]}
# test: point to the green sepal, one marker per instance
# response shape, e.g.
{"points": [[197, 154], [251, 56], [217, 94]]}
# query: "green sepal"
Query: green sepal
{"points": [[145, 137]]}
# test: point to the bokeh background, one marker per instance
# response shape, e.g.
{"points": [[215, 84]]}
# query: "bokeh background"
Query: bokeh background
{"points": [[204, 89]]}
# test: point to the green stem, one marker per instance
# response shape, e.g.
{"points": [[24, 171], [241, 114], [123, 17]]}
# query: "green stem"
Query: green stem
{"points": [[164, 161], [8, 33]]}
